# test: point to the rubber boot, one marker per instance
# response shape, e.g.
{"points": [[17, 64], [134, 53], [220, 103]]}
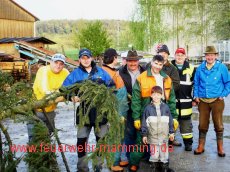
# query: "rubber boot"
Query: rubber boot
{"points": [[82, 164], [188, 144], [154, 166], [117, 168], [164, 167], [200, 149], [220, 150]]}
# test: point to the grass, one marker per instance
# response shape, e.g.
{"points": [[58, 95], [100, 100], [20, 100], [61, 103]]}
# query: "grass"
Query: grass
{"points": [[72, 53]]}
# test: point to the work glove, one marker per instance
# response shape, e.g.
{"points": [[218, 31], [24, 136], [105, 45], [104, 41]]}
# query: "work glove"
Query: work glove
{"points": [[122, 120], [175, 124], [137, 124]]}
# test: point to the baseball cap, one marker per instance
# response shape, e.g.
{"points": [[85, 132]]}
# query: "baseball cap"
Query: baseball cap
{"points": [[85, 52], [110, 52], [58, 57], [180, 50], [163, 48]]}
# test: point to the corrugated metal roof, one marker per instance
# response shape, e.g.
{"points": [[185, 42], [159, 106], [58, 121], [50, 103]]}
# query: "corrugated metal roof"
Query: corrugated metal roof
{"points": [[27, 39]]}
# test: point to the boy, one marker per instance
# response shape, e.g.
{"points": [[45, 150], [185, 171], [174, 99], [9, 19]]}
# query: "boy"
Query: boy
{"points": [[157, 127]]}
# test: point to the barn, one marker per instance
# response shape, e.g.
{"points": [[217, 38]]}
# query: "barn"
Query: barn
{"points": [[18, 39], [15, 21]]}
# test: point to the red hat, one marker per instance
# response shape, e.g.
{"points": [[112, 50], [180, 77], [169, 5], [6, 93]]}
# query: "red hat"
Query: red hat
{"points": [[180, 50]]}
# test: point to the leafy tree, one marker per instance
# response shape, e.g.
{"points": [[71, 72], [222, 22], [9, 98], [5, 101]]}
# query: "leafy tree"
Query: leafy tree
{"points": [[94, 37], [147, 26]]}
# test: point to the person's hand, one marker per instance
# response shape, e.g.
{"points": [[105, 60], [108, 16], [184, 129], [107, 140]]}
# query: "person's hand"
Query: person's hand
{"points": [[197, 100], [221, 98], [59, 99], [194, 103], [171, 137], [75, 99], [122, 119], [137, 124], [144, 139]]}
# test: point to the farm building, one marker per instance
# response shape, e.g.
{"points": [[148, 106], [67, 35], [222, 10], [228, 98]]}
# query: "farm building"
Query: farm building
{"points": [[15, 21], [18, 39]]}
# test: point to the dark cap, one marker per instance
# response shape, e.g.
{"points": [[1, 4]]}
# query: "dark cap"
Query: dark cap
{"points": [[163, 48], [85, 52], [110, 52]]}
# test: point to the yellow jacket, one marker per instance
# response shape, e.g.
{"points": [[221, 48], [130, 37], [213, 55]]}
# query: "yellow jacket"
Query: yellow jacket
{"points": [[46, 82]]}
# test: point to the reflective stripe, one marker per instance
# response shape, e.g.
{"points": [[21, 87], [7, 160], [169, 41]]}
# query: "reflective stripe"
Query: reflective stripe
{"points": [[187, 135], [184, 100], [185, 83], [185, 112]]}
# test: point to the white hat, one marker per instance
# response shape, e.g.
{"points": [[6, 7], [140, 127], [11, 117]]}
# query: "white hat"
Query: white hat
{"points": [[58, 57], [124, 54]]}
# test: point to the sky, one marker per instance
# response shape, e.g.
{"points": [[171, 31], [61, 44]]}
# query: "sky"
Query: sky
{"points": [[79, 9]]}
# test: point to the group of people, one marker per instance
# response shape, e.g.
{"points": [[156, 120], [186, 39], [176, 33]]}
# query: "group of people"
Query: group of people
{"points": [[159, 97]]}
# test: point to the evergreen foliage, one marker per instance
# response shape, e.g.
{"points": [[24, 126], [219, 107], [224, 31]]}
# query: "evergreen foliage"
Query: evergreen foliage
{"points": [[42, 157], [104, 99], [11, 94], [23, 103]]}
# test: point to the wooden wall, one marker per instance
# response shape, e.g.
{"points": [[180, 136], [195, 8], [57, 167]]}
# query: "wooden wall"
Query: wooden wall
{"points": [[8, 48], [15, 21], [9, 10], [13, 28]]}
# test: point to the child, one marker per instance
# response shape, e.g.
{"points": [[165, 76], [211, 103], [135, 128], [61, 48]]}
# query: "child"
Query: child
{"points": [[157, 127]]}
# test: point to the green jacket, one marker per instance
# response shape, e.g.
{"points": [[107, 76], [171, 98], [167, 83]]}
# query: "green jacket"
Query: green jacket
{"points": [[141, 98]]}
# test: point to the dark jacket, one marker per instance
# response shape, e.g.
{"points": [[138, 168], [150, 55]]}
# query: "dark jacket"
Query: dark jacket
{"points": [[123, 71], [184, 95], [172, 72]]}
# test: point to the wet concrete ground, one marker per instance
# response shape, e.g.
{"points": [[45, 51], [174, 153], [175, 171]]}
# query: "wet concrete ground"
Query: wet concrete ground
{"points": [[180, 160]]}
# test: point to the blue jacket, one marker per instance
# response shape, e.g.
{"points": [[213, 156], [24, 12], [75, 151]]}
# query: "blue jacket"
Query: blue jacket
{"points": [[212, 83], [97, 74]]}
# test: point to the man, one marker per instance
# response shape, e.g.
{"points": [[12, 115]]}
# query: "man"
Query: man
{"points": [[109, 63], [184, 96], [211, 85], [141, 96], [129, 73], [123, 57], [88, 71], [168, 68], [49, 79], [172, 72]]}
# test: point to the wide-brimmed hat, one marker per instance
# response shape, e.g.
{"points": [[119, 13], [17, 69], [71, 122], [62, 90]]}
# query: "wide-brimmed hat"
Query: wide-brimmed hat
{"points": [[132, 55], [210, 50]]}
